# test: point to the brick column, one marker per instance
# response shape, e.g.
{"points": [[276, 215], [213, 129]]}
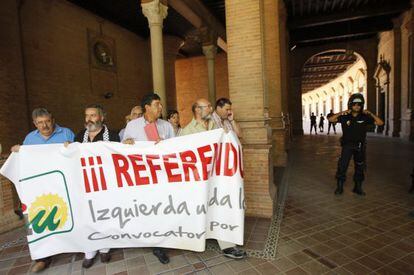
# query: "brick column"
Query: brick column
{"points": [[156, 11], [276, 73], [395, 98], [410, 92], [255, 87], [407, 75]]}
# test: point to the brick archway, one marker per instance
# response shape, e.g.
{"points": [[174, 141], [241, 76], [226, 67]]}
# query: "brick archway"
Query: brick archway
{"points": [[366, 48]]}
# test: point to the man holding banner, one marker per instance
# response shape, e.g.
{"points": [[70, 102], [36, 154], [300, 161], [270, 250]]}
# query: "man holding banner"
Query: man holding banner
{"points": [[47, 132], [159, 192], [140, 130], [202, 121], [95, 130]]}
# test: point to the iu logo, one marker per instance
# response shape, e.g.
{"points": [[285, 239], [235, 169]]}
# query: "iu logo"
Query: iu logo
{"points": [[89, 167]]}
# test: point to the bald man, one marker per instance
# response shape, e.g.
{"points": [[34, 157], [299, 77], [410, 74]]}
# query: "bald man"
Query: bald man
{"points": [[202, 121]]}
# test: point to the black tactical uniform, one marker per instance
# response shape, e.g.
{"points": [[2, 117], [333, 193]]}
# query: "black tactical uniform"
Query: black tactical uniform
{"points": [[353, 145]]}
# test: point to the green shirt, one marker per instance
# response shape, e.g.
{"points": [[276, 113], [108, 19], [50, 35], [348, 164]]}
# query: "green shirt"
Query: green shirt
{"points": [[195, 127]]}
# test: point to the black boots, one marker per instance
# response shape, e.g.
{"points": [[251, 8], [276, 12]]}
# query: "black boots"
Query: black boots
{"points": [[339, 188], [358, 188]]}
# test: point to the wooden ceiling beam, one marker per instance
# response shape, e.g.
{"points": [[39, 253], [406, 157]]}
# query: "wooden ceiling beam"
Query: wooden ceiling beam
{"points": [[329, 64], [301, 7], [333, 5], [342, 30], [293, 3], [316, 81], [324, 72], [333, 37], [309, 6], [391, 7], [325, 5]]}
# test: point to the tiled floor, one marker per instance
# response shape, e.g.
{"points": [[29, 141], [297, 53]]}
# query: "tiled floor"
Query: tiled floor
{"points": [[319, 233]]}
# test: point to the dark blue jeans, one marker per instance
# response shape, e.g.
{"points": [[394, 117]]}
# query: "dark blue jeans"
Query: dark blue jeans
{"points": [[357, 152]]}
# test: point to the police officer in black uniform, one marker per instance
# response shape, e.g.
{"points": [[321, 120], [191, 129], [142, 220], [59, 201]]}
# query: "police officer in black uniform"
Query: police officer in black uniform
{"points": [[354, 122]]}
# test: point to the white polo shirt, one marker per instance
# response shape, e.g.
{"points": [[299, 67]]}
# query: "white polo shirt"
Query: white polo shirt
{"points": [[135, 129]]}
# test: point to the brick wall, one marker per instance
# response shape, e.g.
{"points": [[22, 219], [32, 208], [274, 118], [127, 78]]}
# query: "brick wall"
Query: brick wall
{"points": [[8, 198], [13, 113], [192, 82], [58, 73]]}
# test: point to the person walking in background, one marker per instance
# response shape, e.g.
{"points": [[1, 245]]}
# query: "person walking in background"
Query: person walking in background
{"points": [[331, 124], [313, 123], [321, 123]]}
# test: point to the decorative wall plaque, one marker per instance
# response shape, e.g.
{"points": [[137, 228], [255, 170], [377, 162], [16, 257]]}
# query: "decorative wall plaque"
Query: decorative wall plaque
{"points": [[102, 54]]}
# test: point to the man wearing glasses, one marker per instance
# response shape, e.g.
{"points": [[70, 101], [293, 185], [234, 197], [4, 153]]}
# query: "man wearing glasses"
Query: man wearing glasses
{"points": [[202, 121], [355, 123], [47, 132]]}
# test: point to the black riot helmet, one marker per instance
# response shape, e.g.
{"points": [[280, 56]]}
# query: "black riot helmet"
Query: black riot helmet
{"points": [[356, 98]]}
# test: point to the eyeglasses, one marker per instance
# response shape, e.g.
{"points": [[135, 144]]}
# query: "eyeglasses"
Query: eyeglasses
{"points": [[205, 106]]}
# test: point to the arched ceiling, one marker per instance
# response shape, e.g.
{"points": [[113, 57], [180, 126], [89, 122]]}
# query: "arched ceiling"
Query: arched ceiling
{"points": [[325, 67]]}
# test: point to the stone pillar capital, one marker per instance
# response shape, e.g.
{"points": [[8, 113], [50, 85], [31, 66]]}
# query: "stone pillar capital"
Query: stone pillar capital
{"points": [[208, 36], [155, 11], [210, 51]]}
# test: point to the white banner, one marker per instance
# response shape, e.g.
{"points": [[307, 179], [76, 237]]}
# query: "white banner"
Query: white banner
{"points": [[174, 194]]}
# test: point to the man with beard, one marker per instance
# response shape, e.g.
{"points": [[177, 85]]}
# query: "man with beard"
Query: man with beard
{"points": [[223, 116], [202, 121], [135, 131], [95, 130], [355, 122], [47, 132]]}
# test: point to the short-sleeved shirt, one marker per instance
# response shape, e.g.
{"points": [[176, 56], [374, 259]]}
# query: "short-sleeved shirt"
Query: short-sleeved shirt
{"points": [[222, 123], [135, 129], [355, 128], [195, 127], [59, 135], [313, 119], [113, 136]]}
